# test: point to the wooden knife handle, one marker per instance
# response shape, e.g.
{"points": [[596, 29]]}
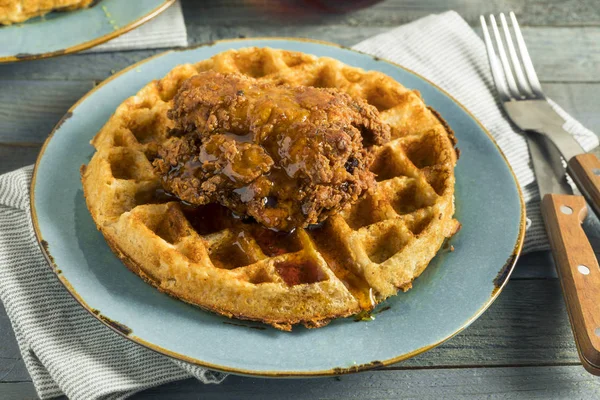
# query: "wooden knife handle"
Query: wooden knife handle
{"points": [[578, 271], [585, 171]]}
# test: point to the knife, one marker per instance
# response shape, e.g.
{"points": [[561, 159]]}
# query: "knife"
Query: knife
{"points": [[584, 168], [576, 263]]}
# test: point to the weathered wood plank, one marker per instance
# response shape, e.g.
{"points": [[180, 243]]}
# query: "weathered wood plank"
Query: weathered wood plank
{"points": [[30, 109], [561, 382], [564, 54], [581, 100], [17, 391], [13, 157], [559, 54], [527, 325], [535, 266], [384, 13], [87, 67], [12, 368], [557, 382], [9, 350]]}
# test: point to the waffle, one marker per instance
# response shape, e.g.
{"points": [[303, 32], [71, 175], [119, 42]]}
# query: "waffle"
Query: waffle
{"points": [[204, 256], [14, 11]]}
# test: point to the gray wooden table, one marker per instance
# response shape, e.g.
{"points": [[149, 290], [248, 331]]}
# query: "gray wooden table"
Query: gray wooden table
{"points": [[521, 347]]}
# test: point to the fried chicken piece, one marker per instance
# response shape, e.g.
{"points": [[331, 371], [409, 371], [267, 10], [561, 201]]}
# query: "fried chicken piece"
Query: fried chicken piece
{"points": [[286, 156]]}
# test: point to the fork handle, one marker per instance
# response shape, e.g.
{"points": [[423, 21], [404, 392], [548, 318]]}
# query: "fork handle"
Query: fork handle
{"points": [[585, 171], [578, 271]]}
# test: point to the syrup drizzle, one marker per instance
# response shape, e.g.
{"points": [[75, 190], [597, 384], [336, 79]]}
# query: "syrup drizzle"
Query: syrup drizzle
{"points": [[333, 252], [294, 272], [212, 218]]}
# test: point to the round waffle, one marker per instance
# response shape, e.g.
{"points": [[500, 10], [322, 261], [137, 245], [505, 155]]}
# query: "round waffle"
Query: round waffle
{"points": [[205, 256]]}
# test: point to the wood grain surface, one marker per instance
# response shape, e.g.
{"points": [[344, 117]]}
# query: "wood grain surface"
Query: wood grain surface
{"points": [[521, 347], [561, 382]]}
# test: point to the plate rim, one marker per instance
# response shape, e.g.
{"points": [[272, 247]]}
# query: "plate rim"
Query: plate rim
{"points": [[499, 283], [94, 42]]}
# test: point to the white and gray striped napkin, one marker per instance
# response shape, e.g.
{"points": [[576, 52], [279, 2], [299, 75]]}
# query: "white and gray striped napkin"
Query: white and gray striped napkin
{"points": [[165, 30], [68, 351]]}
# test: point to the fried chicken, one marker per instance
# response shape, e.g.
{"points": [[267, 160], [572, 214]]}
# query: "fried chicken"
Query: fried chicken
{"points": [[285, 156]]}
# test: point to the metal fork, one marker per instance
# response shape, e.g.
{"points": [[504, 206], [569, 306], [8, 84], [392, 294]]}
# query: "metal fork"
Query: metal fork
{"points": [[524, 101], [577, 266]]}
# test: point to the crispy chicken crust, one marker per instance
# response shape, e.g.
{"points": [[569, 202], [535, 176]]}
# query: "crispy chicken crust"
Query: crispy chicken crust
{"points": [[286, 156]]}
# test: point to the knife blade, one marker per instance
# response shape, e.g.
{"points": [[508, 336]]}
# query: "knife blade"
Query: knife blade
{"points": [[576, 263], [539, 116], [547, 166]]}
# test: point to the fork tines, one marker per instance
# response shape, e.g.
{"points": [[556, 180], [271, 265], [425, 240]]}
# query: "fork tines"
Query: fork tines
{"points": [[508, 75]]}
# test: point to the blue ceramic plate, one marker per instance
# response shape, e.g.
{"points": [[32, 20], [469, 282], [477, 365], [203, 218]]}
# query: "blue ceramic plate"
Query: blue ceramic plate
{"points": [[456, 288], [61, 33]]}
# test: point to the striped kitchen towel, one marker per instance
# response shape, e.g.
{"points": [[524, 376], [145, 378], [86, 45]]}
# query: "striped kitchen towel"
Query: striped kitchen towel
{"points": [[165, 30], [68, 351]]}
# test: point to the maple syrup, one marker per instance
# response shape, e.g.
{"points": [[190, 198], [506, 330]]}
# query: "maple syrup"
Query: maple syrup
{"points": [[232, 255], [209, 218], [160, 196], [298, 272], [274, 243], [332, 252], [212, 218]]}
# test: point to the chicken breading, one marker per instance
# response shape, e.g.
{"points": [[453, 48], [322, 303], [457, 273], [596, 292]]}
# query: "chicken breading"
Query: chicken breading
{"points": [[286, 156]]}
